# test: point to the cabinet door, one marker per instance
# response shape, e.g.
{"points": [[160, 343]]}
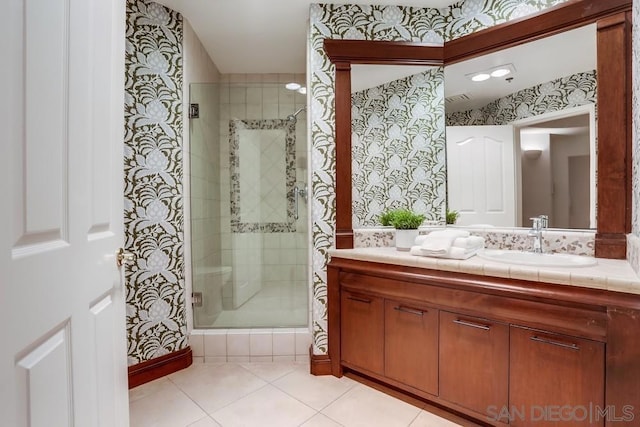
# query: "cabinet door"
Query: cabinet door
{"points": [[555, 380], [362, 331], [411, 345], [474, 362]]}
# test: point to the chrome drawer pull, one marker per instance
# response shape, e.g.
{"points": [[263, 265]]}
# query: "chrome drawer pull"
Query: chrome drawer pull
{"points": [[410, 310], [559, 344], [364, 300], [471, 324]]}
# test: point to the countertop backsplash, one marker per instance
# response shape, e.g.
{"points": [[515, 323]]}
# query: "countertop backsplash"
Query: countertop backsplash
{"points": [[555, 241]]}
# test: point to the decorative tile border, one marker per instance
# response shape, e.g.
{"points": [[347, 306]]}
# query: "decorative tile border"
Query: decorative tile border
{"points": [[633, 252], [237, 226], [554, 241], [153, 212]]}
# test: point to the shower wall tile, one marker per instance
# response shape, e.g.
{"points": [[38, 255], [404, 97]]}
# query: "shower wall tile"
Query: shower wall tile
{"points": [[153, 216], [372, 23]]}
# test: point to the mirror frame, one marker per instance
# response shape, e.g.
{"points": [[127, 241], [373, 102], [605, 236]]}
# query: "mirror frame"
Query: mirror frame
{"points": [[613, 19]]}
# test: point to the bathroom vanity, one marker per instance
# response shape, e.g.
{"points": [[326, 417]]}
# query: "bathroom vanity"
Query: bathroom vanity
{"points": [[501, 344]]}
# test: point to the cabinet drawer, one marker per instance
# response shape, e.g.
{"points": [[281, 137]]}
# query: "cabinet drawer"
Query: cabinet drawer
{"points": [[550, 371], [474, 362], [411, 345], [362, 335]]}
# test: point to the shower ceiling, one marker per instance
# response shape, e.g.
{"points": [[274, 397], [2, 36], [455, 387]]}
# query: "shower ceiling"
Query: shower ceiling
{"points": [[261, 36]]}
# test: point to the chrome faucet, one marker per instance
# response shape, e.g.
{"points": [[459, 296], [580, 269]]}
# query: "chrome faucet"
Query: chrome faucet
{"points": [[539, 223]]}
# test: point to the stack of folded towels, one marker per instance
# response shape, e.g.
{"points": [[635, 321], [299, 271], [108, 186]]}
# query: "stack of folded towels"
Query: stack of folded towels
{"points": [[454, 244]]}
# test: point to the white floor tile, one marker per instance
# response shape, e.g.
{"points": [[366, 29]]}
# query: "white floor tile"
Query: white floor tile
{"points": [[146, 389], [205, 422], [266, 407], [168, 406], [270, 371], [427, 419], [365, 407], [215, 386], [320, 420], [315, 391]]}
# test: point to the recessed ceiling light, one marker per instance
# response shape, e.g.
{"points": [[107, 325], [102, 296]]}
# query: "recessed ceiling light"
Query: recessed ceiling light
{"points": [[481, 77], [292, 86], [500, 72], [303, 90]]}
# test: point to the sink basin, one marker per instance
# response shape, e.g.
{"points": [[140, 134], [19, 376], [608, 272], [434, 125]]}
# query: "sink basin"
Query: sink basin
{"points": [[537, 260]]}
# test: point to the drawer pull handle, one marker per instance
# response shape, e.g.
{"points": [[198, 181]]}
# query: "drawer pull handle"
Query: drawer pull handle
{"points": [[364, 300], [410, 310], [552, 342], [471, 324]]}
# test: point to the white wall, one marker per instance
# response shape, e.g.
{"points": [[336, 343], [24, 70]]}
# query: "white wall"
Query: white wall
{"points": [[536, 178]]}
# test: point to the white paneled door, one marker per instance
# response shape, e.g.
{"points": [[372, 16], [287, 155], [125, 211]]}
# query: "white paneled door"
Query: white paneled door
{"points": [[62, 340], [481, 174]]}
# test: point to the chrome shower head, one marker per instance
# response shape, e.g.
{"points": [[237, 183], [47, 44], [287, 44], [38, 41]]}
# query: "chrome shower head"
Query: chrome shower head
{"points": [[292, 117]]}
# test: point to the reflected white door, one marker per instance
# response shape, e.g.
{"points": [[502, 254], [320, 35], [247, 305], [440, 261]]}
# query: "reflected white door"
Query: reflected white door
{"points": [[63, 348], [481, 174]]}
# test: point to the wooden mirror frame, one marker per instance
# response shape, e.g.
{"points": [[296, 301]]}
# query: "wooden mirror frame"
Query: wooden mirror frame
{"points": [[614, 174]]}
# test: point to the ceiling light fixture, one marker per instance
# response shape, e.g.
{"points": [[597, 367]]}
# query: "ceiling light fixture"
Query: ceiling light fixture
{"points": [[497, 72], [303, 90], [293, 86], [480, 77]]}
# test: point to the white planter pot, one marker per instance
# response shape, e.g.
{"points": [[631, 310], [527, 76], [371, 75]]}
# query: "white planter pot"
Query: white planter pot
{"points": [[405, 239]]}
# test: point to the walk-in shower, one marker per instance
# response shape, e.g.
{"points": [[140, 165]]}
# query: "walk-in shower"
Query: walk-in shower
{"points": [[249, 221]]}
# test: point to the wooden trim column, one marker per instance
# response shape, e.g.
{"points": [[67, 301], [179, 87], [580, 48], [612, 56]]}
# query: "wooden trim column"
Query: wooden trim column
{"points": [[344, 230], [614, 140]]}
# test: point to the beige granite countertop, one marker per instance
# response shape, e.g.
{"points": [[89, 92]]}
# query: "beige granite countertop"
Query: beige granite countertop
{"points": [[609, 274]]}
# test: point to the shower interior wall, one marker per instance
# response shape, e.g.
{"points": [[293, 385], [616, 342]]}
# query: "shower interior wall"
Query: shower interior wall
{"points": [[275, 263]]}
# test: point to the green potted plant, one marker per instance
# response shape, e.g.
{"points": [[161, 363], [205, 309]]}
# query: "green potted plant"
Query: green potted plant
{"points": [[406, 223], [452, 216]]}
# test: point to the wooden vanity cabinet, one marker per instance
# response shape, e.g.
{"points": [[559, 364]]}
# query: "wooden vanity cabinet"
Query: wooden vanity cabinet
{"points": [[362, 319], [500, 351], [474, 362], [411, 345], [555, 379]]}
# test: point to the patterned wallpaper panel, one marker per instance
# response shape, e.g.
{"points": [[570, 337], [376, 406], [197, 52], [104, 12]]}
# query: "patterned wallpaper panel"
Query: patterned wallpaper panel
{"points": [[398, 147], [153, 216], [566, 92], [372, 23]]}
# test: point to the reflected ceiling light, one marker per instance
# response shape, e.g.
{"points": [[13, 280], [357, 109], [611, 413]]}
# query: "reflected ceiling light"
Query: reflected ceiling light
{"points": [[480, 77], [500, 72], [532, 153], [292, 86], [303, 90], [497, 72]]}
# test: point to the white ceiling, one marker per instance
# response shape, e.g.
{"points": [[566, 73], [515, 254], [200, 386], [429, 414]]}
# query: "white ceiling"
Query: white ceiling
{"points": [[269, 36], [261, 36]]}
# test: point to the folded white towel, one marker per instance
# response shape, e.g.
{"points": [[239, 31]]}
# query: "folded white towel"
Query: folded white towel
{"points": [[439, 242], [453, 253], [468, 242], [459, 242]]}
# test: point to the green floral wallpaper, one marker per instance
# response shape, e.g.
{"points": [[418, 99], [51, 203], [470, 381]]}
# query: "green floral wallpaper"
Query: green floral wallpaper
{"points": [[372, 23], [560, 94], [399, 147], [154, 223]]}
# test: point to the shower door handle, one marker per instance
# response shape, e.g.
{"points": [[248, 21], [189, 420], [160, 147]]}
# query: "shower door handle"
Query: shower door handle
{"points": [[296, 196], [297, 193]]}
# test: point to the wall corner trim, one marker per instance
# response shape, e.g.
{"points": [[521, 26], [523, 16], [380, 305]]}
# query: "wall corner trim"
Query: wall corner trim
{"points": [[159, 367]]}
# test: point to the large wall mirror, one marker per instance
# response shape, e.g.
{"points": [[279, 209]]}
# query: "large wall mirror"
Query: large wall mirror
{"points": [[548, 106]]}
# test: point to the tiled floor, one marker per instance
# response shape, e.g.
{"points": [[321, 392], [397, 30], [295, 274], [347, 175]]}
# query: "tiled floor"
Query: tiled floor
{"points": [[269, 394]]}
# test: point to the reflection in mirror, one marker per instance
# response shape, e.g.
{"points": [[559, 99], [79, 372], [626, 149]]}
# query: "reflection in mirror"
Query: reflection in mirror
{"points": [[521, 139], [397, 125]]}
